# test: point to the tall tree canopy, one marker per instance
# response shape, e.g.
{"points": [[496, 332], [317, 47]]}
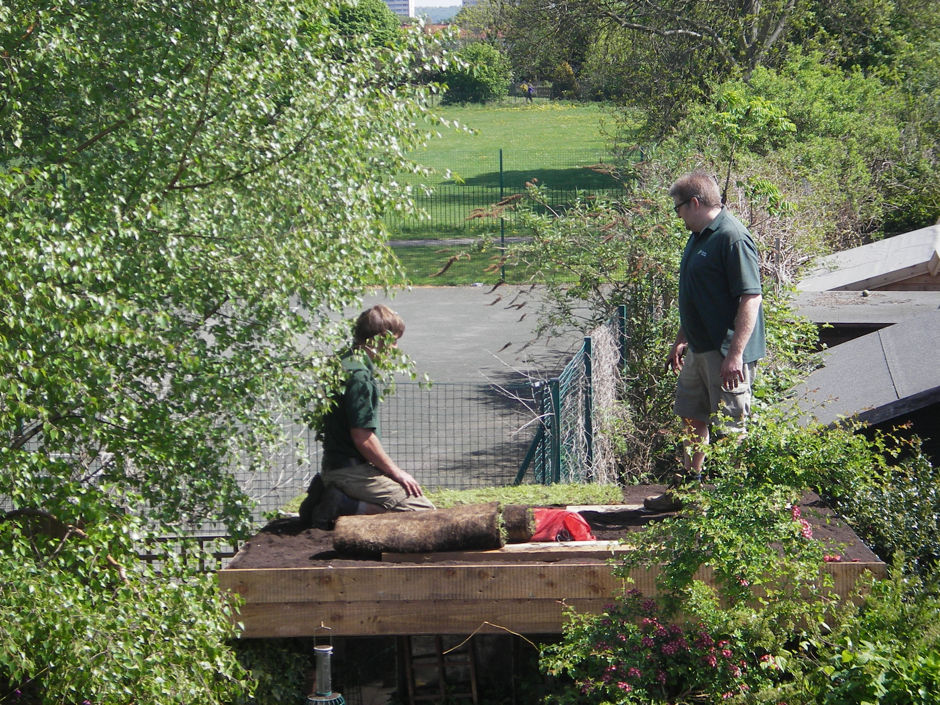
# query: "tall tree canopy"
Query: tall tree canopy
{"points": [[187, 189]]}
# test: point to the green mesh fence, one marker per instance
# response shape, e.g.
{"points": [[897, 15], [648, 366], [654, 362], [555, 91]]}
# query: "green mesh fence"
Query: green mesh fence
{"points": [[460, 436], [467, 184], [577, 410]]}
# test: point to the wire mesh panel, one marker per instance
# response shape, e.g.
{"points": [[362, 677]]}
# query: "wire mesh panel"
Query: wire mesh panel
{"points": [[458, 436], [453, 436], [578, 413], [465, 182]]}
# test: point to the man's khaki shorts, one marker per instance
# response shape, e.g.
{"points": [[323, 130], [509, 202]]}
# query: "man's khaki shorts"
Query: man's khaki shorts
{"points": [[700, 395], [369, 484]]}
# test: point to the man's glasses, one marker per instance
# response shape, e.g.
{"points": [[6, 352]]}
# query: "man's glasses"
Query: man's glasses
{"points": [[677, 207]]}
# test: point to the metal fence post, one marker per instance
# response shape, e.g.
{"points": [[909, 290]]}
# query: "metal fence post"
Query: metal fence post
{"points": [[502, 221], [556, 429], [588, 401], [622, 328]]}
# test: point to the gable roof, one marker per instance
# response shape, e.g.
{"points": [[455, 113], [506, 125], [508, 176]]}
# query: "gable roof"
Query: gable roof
{"points": [[878, 376], [878, 308], [879, 264]]}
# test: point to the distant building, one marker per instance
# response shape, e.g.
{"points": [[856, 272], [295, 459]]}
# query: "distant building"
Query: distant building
{"points": [[402, 8]]}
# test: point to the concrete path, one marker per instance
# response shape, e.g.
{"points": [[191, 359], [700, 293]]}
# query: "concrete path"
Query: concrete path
{"points": [[467, 334], [468, 429]]}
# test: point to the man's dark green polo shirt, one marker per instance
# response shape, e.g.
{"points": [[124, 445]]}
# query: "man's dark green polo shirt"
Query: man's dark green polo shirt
{"points": [[356, 407], [719, 265]]}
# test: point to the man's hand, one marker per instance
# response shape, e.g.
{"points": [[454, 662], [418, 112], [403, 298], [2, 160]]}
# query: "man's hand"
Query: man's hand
{"points": [[732, 367], [674, 360], [732, 371], [371, 448], [412, 488]]}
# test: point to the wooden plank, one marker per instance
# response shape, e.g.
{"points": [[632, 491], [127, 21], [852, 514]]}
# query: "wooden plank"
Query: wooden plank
{"points": [[378, 582], [548, 552], [408, 617], [464, 582], [604, 508], [438, 599]]}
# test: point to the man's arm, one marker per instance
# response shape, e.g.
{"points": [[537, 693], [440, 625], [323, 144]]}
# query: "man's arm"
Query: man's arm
{"points": [[674, 360], [371, 448], [732, 369]]}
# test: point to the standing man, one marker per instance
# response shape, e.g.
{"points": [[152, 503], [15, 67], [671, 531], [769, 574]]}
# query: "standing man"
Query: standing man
{"points": [[358, 476], [721, 324]]}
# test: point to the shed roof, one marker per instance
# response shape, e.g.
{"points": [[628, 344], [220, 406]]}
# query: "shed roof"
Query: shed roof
{"points": [[856, 307], [878, 264], [879, 376]]}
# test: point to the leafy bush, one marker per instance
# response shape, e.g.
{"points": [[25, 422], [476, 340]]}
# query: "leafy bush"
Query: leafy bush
{"points": [[371, 18], [895, 507], [278, 669], [598, 256], [855, 167], [485, 76], [564, 83], [631, 654], [84, 621], [887, 650], [791, 639]]}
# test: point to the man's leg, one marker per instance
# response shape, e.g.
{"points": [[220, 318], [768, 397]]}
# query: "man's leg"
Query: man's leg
{"points": [[696, 437], [692, 406]]}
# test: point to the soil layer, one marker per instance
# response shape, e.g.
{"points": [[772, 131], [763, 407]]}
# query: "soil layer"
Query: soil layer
{"points": [[283, 544]]}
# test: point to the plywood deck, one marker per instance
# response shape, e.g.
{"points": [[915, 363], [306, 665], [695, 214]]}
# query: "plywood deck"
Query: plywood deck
{"points": [[525, 589]]}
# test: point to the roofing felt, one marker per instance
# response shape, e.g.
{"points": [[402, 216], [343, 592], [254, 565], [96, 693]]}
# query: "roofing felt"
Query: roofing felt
{"points": [[873, 307], [879, 376], [878, 264]]}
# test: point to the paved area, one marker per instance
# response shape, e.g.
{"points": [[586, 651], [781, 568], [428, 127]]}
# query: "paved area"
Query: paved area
{"points": [[467, 334], [468, 429]]}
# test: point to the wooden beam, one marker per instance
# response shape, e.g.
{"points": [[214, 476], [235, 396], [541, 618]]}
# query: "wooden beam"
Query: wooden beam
{"points": [[446, 599], [409, 617], [380, 582], [548, 552]]}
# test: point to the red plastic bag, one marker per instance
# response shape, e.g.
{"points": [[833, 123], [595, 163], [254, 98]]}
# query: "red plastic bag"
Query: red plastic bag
{"points": [[561, 525]]}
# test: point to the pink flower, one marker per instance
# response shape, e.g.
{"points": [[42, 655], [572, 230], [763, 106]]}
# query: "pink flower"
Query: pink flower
{"points": [[625, 687], [796, 513], [725, 696], [711, 660], [726, 653], [635, 672], [703, 641], [807, 530], [832, 558], [648, 642], [661, 676]]}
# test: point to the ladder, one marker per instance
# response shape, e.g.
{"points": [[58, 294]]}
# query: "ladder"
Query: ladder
{"points": [[444, 663]]}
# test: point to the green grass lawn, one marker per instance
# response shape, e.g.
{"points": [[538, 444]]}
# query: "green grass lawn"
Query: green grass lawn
{"points": [[549, 141], [546, 126]]}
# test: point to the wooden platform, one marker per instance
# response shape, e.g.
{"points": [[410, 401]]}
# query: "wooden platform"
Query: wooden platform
{"points": [[464, 597]]}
